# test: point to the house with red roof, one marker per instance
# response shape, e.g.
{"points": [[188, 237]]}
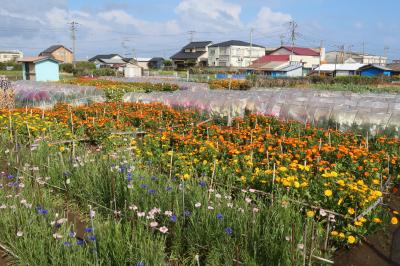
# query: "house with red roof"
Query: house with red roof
{"points": [[290, 59]]}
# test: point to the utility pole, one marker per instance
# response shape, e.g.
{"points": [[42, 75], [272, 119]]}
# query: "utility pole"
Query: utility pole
{"points": [[320, 57], [385, 49], [293, 33], [191, 34], [73, 29], [363, 48], [350, 51], [251, 43]]}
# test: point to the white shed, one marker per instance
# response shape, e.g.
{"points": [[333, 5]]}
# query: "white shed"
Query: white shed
{"points": [[132, 70]]}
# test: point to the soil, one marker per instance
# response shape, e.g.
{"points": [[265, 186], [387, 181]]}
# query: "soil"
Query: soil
{"points": [[380, 249]]}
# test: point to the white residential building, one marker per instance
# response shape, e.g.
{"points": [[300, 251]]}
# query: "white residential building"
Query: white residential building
{"points": [[309, 57], [11, 55], [234, 54], [340, 57]]}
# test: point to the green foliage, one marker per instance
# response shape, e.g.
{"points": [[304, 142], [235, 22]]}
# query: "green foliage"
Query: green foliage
{"points": [[83, 68], [104, 72], [67, 68]]}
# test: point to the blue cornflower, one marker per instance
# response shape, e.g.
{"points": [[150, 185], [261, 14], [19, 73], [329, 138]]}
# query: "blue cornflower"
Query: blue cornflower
{"points": [[153, 178], [10, 176], [168, 188], [202, 183], [129, 179], [229, 231], [89, 230], [173, 218], [72, 234], [80, 242], [152, 191], [140, 264], [122, 168], [220, 216], [67, 244], [187, 213], [42, 211], [92, 238], [144, 186]]}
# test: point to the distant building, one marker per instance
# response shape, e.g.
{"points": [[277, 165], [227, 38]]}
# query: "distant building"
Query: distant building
{"points": [[59, 52], [340, 57], [132, 70], [234, 54], [114, 61], [308, 57], [395, 67], [40, 68], [147, 63], [372, 70], [194, 53], [10, 55], [338, 69]]}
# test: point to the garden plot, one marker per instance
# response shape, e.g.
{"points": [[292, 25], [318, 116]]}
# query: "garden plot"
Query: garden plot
{"points": [[339, 109]]}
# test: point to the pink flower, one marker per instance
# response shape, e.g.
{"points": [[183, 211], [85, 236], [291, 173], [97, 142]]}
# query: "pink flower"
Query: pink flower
{"points": [[248, 200], [163, 229], [141, 214], [153, 224], [168, 213]]}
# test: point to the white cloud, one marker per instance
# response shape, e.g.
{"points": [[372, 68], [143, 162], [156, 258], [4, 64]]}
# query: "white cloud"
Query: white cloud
{"points": [[269, 21], [359, 25], [214, 14]]}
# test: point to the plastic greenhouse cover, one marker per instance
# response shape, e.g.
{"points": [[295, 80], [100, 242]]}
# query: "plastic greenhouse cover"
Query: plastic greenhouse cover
{"points": [[46, 94], [346, 109]]}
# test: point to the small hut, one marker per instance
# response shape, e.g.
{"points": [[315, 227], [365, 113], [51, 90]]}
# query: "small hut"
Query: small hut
{"points": [[40, 68], [132, 70]]}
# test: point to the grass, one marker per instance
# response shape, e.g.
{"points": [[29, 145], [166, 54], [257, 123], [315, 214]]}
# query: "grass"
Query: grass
{"points": [[357, 88], [12, 74]]}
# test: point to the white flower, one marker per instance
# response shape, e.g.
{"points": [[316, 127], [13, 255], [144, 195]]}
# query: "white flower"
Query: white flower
{"points": [[130, 186], [153, 224], [92, 213], [255, 210], [300, 246], [248, 200], [163, 229], [62, 221], [23, 201], [68, 181], [150, 217], [57, 236], [230, 205], [218, 196], [322, 212], [141, 214], [198, 205], [228, 197], [241, 210], [20, 233], [210, 207], [211, 190], [252, 190], [133, 207], [168, 213], [287, 238], [2, 206], [21, 185]]}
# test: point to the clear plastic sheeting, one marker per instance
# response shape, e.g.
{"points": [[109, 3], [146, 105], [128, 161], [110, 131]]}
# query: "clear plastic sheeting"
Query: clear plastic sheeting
{"points": [[343, 110], [47, 94], [183, 85]]}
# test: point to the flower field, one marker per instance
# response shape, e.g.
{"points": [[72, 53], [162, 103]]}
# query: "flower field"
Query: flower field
{"points": [[146, 184], [232, 84]]}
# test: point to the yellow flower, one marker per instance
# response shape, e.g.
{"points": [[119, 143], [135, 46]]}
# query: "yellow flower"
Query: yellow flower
{"points": [[62, 148], [296, 184], [341, 182], [394, 220], [186, 176], [376, 181], [350, 211], [341, 235], [328, 193], [334, 233], [358, 223], [377, 220], [340, 202], [243, 179], [351, 239], [310, 214]]}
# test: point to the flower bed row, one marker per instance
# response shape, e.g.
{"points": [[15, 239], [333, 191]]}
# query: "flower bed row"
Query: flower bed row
{"points": [[232, 84]]}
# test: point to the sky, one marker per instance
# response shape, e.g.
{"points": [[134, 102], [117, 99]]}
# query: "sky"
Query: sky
{"points": [[154, 28]]}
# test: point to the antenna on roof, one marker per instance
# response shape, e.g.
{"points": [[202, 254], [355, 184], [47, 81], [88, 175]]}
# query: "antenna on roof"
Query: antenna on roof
{"points": [[191, 34]]}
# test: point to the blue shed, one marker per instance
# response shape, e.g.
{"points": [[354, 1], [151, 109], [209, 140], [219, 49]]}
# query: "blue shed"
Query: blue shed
{"points": [[375, 70], [41, 68]]}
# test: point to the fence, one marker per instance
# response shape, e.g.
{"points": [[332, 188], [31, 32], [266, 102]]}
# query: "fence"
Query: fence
{"points": [[7, 97]]}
